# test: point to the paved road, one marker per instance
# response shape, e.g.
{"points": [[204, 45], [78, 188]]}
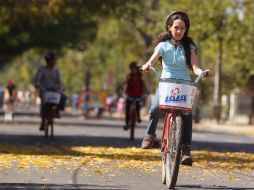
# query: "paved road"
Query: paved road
{"points": [[127, 179]]}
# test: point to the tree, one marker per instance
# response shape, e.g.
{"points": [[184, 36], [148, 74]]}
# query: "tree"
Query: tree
{"points": [[105, 38], [50, 24]]}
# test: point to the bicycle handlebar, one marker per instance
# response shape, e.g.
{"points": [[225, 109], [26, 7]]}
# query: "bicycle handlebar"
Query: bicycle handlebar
{"points": [[155, 72], [158, 75]]}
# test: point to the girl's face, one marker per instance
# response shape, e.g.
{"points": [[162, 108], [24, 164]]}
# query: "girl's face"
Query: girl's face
{"points": [[178, 29]]}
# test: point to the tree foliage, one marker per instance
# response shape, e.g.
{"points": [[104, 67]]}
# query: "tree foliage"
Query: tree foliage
{"points": [[102, 37], [49, 24]]}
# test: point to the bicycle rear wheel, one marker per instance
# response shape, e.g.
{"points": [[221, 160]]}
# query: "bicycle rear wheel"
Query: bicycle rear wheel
{"points": [[49, 121], [173, 156], [132, 123], [46, 128]]}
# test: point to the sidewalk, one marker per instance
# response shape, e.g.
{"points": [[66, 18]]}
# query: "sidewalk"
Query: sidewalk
{"points": [[68, 119], [213, 126]]}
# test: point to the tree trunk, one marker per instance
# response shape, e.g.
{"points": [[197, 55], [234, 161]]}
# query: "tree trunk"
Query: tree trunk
{"points": [[217, 84]]}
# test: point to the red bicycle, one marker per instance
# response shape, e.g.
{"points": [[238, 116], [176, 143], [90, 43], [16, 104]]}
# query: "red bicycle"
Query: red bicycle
{"points": [[176, 99]]}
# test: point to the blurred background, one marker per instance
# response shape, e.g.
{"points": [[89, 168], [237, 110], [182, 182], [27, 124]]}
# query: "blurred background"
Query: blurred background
{"points": [[96, 40]]}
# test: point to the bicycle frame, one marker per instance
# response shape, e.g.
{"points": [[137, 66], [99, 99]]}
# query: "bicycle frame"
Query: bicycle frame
{"points": [[133, 115], [171, 139], [165, 132], [166, 125], [49, 120], [51, 101]]}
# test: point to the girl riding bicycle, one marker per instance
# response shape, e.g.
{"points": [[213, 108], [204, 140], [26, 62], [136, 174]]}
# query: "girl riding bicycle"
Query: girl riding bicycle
{"points": [[178, 55]]}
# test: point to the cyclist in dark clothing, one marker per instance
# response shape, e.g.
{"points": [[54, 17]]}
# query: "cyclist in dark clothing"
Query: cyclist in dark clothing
{"points": [[135, 88], [48, 79]]}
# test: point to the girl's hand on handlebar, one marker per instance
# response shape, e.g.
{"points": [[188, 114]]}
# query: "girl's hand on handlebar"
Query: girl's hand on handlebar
{"points": [[145, 67]]}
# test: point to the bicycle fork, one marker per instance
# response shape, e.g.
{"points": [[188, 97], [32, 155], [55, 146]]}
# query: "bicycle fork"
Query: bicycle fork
{"points": [[165, 139]]}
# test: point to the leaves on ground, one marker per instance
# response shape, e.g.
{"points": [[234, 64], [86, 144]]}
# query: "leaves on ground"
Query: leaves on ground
{"points": [[103, 160]]}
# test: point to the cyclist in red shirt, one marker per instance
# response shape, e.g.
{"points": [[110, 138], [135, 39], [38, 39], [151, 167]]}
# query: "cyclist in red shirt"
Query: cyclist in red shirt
{"points": [[135, 89]]}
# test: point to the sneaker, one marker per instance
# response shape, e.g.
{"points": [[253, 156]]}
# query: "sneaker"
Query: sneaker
{"points": [[150, 141], [125, 127], [42, 127], [186, 155]]}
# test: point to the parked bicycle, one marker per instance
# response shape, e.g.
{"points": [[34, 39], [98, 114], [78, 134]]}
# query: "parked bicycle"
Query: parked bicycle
{"points": [[176, 99], [52, 100]]}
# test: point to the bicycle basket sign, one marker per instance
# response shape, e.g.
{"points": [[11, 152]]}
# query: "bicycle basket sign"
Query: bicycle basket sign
{"points": [[176, 96], [52, 97]]}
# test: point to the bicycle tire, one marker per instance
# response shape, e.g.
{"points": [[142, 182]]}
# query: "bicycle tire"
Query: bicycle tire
{"points": [[173, 156], [52, 128], [163, 168], [163, 153], [49, 121], [132, 124], [46, 129]]}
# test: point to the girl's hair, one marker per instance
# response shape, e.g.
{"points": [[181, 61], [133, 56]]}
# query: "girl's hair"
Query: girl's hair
{"points": [[186, 41]]}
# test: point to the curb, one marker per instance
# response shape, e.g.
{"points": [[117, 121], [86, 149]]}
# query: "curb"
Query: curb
{"points": [[206, 126]]}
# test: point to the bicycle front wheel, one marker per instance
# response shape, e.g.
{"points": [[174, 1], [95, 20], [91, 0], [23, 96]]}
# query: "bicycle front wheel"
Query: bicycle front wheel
{"points": [[163, 169], [173, 156]]}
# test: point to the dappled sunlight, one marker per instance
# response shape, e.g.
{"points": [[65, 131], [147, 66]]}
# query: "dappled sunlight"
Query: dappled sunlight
{"points": [[46, 156], [129, 153], [224, 160], [103, 160]]}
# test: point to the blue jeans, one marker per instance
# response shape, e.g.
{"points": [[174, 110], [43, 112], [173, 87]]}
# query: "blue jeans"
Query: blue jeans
{"points": [[154, 114]]}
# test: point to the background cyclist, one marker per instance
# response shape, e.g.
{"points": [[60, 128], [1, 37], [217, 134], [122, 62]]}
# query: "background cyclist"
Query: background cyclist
{"points": [[48, 79], [134, 88]]}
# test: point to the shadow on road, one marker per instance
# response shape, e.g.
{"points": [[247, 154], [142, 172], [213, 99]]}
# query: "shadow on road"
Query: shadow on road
{"points": [[63, 146], [34, 186], [73, 140], [190, 187], [117, 142]]}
